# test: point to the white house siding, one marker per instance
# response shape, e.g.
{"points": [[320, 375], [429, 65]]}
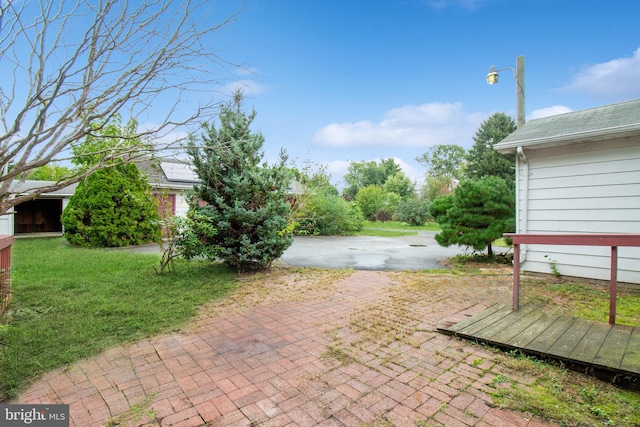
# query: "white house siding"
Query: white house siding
{"points": [[6, 223], [581, 188], [181, 204]]}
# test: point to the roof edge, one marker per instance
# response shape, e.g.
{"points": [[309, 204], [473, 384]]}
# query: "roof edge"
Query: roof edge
{"points": [[570, 138]]}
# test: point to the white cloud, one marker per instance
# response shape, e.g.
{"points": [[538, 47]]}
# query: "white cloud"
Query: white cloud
{"points": [[412, 172], [409, 126], [248, 87], [549, 111], [337, 169], [618, 77]]}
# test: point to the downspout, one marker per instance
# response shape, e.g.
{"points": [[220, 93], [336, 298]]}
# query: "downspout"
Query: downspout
{"points": [[522, 197]]}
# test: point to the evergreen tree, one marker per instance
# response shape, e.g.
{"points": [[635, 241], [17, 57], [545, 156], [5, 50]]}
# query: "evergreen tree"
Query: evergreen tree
{"points": [[114, 206], [483, 160], [476, 214], [111, 208], [244, 199]]}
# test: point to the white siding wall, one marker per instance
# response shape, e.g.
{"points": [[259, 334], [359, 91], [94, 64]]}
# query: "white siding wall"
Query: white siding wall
{"points": [[181, 204], [6, 223], [583, 188]]}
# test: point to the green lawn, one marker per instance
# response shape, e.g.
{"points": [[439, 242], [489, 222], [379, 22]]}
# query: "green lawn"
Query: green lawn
{"points": [[394, 229], [71, 303]]}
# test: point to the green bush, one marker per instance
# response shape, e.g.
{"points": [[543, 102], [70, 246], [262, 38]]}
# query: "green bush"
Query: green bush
{"points": [[370, 199], [327, 214], [413, 211], [113, 207]]}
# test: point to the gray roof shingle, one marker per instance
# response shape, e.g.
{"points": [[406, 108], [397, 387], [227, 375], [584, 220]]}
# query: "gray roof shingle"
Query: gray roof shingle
{"points": [[609, 121]]}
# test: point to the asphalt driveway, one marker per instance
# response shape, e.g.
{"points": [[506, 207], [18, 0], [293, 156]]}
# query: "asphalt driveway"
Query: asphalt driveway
{"points": [[417, 252]]}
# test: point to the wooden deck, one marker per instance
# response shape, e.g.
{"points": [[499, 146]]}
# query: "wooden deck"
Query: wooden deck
{"points": [[598, 345]]}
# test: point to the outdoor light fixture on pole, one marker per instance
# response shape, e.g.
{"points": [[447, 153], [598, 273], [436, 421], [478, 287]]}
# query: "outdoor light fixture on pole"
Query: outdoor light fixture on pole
{"points": [[518, 74]]}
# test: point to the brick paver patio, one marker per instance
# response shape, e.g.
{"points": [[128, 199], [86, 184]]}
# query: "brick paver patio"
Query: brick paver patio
{"points": [[302, 348]]}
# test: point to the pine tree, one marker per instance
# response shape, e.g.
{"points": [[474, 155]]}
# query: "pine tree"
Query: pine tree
{"points": [[241, 196], [483, 160], [476, 214]]}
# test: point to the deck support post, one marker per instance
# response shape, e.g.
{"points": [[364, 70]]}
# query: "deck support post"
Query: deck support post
{"points": [[613, 286], [516, 277]]}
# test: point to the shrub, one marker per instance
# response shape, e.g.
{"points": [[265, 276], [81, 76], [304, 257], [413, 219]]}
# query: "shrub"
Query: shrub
{"points": [[327, 214], [413, 211], [113, 207], [383, 215]]}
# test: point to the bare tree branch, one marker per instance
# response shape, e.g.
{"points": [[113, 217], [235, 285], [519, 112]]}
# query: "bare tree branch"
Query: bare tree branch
{"points": [[67, 65]]}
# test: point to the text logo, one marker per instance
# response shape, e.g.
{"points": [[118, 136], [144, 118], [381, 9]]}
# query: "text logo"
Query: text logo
{"points": [[34, 415]]}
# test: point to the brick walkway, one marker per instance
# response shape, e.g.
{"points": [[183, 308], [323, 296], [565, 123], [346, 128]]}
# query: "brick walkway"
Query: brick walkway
{"points": [[302, 349]]}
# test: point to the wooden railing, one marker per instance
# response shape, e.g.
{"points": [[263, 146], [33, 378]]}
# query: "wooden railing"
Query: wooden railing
{"points": [[6, 243], [611, 240]]}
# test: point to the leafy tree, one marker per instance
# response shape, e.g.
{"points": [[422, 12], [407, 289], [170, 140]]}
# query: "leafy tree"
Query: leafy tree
{"points": [[436, 186], [50, 172], [363, 174], [113, 206], [483, 160], [413, 211], [476, 214], [389, 204], [67, 64], [314, 178], [400, 184], [444, 161], [370, 200], [244, 199]]}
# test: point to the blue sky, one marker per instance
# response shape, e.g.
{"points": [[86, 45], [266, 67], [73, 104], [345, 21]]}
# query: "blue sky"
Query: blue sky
{"points": [[335, 81]]}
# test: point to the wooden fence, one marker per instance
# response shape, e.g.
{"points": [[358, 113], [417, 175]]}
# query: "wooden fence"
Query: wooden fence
{"points": [[6, 243]]}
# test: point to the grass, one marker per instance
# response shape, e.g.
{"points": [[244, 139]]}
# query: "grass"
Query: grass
{"points": [[138, 412], [71, 303], [570, 398], [394, 229], [587, 301]]}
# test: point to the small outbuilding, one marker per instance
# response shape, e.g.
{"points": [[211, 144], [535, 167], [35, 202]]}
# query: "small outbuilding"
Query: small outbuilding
{"points": [[40, 215], [579, 172]]}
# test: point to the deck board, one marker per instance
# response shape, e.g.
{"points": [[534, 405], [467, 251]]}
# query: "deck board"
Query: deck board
{"points": [[590, 345], [500, 325], [631, 359], [568, 342], [544, 341], [477, 318], [615, 348], [519, 326]]}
